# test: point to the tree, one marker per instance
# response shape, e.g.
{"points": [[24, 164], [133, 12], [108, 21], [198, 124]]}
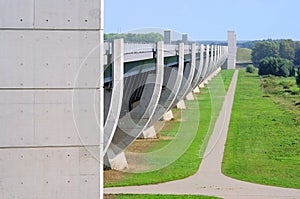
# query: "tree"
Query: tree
{"points": [[262, 50], [298, 78], [276, 66], [287, 50], [297, 53]]}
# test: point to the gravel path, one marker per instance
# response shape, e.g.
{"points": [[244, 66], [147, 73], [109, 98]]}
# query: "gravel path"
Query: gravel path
{"points": [[209, 180]]}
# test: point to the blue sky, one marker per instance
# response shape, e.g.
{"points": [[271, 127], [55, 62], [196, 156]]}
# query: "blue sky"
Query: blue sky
{"points": [[207, 19]]}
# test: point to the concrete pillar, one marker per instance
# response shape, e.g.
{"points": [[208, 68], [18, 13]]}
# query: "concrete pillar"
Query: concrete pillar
{"points": [[206, 65], [232, 49], [201, 85], [171, 85], [190, 96], [167, 37], [136, 121], [149, 133], [210, 63], [168, 116], [198, 70], [196, 90], [224, 54], [185, 39], [221, 55], [116, 162], [51, 99], [187, 76], [179, 77], [117, 92], [181, 105]]}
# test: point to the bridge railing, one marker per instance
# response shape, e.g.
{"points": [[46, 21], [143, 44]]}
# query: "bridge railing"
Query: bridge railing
{"points": [[136, 52]]}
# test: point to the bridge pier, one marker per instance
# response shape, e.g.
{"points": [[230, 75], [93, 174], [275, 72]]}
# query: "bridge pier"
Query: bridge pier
{"points": [[114, 102], [181, 105], [205, 68], [168, 116], [187, 79], [133, 123], [199, 70], [196, 90], [190, 96], [149, 133], [116, 162]]}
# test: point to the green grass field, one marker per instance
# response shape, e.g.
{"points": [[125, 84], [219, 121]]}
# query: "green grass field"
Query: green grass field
{"points": [[263, 143], [227, 76], [129, 196], [209, 105]]}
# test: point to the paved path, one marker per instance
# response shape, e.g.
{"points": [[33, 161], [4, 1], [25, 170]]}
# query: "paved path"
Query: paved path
{"points": [[209, 180]]}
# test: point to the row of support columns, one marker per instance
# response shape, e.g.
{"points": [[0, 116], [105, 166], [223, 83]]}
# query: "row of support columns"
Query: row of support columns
{"points": [[164, 88]]}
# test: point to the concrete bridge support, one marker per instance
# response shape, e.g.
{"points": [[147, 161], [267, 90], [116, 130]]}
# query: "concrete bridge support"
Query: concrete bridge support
{"points": [[231, 61], [187, 79], [116, 93], [188, 95], [134, 122], [169, 86], [175, 85], [50, 63], [198, 71], [168, 116], [206, 67]]}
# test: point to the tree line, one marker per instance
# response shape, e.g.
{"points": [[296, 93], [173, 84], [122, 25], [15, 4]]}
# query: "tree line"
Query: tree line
{"points": [[277, 58]]}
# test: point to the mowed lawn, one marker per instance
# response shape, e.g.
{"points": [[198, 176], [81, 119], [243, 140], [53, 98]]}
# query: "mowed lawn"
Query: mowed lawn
{"points": [[263, 143]]}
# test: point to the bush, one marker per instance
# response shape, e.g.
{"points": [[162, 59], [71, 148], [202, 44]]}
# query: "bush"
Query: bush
{"points": [[250, 68], [287, 84], [276, 66], [298, 78]]}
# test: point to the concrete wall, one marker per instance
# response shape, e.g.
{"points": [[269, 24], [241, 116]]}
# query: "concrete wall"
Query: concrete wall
{"points": [[49, 99]]}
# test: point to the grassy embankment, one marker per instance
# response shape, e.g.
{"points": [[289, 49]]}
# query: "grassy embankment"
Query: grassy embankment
{"points": [[263, 143], [209, 105]]}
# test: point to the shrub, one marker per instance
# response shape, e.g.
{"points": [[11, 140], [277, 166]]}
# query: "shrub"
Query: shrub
{"points": [[298, 78], [286, 84], [276, 66], [250, 68]]}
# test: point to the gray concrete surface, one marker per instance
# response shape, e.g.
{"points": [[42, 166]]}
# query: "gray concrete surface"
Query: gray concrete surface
{"points": [[51, 99], [209, 180], [232, 50]]}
